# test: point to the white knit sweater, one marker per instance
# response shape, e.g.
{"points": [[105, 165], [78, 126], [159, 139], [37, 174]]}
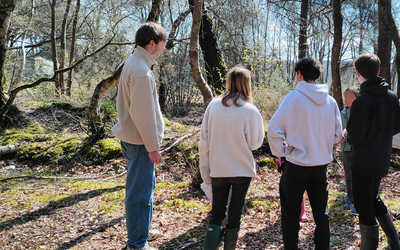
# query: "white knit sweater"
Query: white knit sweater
{"points": [[228, 135]]}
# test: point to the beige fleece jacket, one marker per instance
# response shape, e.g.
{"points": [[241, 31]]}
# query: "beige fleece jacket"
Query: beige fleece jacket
{"points": [[140, 120]]}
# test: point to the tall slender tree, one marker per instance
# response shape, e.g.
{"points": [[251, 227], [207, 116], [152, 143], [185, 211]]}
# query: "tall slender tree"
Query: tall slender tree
{"points": [[6, 9], [303, 29], [336, 50], [385, 37]]}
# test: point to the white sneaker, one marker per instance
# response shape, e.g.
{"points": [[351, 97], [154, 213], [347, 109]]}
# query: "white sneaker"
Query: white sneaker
{"points": [[153, 234]]}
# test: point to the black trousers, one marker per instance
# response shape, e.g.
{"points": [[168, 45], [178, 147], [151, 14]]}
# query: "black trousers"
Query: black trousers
{"points": [[220, 190], [294, 181], [366, 199]]}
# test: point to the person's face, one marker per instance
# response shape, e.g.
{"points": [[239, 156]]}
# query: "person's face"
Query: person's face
{"points": [[349, 97], [157, 48]]}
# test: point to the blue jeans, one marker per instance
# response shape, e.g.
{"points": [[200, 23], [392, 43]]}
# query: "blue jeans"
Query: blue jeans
{"points": [[294, 181], [220, 190], [140, 184]]}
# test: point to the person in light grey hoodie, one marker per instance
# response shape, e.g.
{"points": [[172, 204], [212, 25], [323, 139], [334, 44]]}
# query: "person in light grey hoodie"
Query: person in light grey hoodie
{"points": [[304, 129]]}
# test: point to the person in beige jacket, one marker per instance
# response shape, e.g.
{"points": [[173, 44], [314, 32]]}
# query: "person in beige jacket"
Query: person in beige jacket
{"points": [[140, 128]]}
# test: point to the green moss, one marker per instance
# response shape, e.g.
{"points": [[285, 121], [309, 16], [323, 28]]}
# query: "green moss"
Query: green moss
{"points": [[187, 205], [258, 205], [164, 185], [167, 122], [118, 196], [267, 162], [105, 149], [181, 129]]}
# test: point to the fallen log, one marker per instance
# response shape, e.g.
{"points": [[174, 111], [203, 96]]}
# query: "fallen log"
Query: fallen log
{"points": [[9, 149]]}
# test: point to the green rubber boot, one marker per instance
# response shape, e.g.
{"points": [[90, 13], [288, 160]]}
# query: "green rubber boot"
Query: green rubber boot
{"points": [[213, 237], [391, 233], [231, 237], [369, 237]]}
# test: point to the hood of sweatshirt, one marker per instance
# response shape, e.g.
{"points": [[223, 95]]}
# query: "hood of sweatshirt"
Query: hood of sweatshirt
{"points": [[318, 93], [375, 86]]}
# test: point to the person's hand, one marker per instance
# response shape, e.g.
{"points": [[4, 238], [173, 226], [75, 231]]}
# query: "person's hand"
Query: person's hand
{"points": [[155, 156], [343, 136]]}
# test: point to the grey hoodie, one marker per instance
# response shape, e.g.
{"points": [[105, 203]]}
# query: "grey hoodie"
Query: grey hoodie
{"points": [[308, 119]]}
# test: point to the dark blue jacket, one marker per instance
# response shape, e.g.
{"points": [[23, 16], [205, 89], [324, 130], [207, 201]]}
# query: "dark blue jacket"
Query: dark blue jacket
{"points": [[374, 120]]}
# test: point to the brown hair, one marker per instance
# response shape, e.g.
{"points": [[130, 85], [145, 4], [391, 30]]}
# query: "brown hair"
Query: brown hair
{"points": [[150, 31], [238, 85], [367, 65]]}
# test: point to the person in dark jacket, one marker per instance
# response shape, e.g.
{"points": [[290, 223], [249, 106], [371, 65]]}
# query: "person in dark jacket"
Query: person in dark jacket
{"points": [[373, 122]]}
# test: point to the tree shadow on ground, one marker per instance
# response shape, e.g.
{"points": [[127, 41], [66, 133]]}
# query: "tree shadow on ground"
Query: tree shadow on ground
{"points": [[83, 237], [54, 206]]}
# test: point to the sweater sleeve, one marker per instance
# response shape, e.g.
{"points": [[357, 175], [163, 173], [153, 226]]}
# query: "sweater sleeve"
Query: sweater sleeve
{"points": [[255, 135], [204, 150], [143, 112], [276, 132], [338, 125]]}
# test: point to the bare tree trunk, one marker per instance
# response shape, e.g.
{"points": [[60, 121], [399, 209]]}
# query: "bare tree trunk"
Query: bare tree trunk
{"points": [[6, 9], [73, 41], [154, 14], [95, 103], [62, 45], [23, 54], [53, 43], [384, 37], [21, 66], [337, 43], [303, 29], [194, 54], [396, 41], [214, 60]]}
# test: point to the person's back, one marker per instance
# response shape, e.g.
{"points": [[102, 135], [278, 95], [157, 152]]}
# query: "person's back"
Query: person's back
{"points": [[308, 117], [304, 130], [375, 115], [229, 134], [374, 119]]}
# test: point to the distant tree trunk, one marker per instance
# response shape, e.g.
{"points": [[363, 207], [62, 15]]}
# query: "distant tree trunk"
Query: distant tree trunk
{"points": [[303, 29], [73, 42], [336, 49], [162, 95], [396, 41], [384, 37], [6, 9], [53, 43], [194, 54], [155, 11], [214, 60], [62, 45]]}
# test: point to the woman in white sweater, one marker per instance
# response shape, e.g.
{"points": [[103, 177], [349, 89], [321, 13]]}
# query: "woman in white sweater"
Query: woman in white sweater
{"points": [[232, 127]]}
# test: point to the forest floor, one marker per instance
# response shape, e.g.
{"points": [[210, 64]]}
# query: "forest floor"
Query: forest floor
{"points": [[83, 208]]}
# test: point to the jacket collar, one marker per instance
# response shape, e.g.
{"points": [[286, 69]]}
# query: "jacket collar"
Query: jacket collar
{"points": [[146, 56]]}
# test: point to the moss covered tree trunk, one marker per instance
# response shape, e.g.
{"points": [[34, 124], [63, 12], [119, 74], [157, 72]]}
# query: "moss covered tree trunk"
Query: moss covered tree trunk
{"points": [[213, 57], [6, 9]]}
